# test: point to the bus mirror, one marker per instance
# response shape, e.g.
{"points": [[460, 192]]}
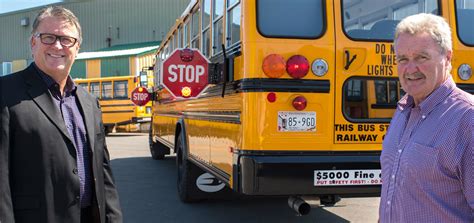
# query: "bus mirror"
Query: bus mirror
{"points": [[143, 79]]}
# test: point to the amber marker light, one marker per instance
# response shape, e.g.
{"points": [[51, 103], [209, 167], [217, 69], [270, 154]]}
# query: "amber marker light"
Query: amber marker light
{"points": [[274, 66], [299, 103], [186, 92], [140, 89]]}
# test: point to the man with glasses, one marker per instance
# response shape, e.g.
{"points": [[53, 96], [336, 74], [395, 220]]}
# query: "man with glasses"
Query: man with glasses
{"points": [[54, 163]]}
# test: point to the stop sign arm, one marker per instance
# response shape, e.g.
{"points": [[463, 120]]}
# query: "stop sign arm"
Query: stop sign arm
{"points": [[225, 72]]}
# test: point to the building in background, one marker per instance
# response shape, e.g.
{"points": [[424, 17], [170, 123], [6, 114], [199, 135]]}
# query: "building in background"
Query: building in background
{"points": [[119, 60], [107, 26]]}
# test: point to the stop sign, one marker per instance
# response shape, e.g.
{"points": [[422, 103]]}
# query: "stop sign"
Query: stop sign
{"points": [[140, 96], [185, 73]]}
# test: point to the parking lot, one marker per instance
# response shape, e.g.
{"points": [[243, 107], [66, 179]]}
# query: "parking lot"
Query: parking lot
{"points": [[147, 191]]}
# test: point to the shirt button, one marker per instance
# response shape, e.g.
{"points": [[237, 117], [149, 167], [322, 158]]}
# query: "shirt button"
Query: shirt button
{"points": [[393, 176], [399, 151], [388, 202], [423, 116]]}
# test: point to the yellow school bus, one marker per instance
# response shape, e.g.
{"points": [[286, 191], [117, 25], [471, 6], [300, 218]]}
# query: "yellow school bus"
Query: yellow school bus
{"points": [[300, 98], [114, 98]]}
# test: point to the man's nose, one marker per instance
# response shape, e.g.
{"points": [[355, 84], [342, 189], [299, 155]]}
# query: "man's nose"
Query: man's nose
{"points": [[411, 67], [57, 44]]}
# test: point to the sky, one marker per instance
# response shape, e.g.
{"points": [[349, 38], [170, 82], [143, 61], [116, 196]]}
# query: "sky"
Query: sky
{"points": [[15, 5]]}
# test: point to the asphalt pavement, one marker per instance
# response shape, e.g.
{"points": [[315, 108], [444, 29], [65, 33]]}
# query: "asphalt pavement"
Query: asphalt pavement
{"points": [[147, 190]]}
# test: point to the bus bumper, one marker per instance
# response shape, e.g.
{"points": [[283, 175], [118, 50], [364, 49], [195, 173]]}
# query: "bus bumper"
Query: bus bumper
{"points": [[141, 119], [294, 174]]}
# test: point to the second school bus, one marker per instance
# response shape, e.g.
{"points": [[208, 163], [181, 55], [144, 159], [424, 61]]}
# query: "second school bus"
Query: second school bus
{"points": [[114, 98], [301, 94]]}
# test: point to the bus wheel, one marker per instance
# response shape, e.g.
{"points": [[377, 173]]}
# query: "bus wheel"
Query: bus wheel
{"points": [[187, 174], [157, 150]]}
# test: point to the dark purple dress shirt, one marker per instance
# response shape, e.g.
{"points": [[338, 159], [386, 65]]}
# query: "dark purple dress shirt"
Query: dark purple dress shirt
{"points": [[68, 104]]}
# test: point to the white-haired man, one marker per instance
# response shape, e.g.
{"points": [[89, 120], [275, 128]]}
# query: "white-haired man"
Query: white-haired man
{"points": [[428, 157]]}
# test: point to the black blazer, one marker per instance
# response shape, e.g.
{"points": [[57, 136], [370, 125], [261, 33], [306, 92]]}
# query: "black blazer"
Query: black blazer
{"points": [[38, 181]]}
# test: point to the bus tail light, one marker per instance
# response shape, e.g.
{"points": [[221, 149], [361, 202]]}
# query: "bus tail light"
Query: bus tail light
{"points": [[297, 66], [273, 66], [299, 103]]}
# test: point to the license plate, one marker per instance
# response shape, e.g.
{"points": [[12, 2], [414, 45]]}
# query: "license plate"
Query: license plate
{"points": [[347, 177], [296, 121]]}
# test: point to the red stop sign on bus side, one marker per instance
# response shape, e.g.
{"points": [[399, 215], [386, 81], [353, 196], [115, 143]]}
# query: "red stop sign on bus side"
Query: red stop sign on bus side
{"points": [[140, 96], [185, 73]]}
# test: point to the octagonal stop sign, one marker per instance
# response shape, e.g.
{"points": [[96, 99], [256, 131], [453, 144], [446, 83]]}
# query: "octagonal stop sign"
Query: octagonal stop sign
{"points": [[140, 96], [185, 73]]}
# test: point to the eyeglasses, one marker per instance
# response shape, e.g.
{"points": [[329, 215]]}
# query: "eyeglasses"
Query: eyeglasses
{"points": [[50, 39]]}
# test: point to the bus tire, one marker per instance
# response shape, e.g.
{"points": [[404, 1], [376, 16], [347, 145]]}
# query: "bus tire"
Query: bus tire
{"points": [[157, 150], [187, 174]]}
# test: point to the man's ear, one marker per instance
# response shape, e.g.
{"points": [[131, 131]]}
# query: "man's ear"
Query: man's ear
{"points": [[449, 55]]}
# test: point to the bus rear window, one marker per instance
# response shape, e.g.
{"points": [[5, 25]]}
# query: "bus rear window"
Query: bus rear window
{"points": [[369, 99], [291, 19], [376, 20], [465, 17]]}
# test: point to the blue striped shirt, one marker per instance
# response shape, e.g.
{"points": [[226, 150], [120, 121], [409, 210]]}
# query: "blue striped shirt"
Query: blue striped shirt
{"points": [[68, 105], [428, 159]]}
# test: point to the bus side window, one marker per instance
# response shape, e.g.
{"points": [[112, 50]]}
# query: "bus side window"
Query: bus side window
{"points": [[120, 89], [186, 34], [206, 37], [106, 90], [233, 22], [95, 89], [195, 29], [217, 26]]}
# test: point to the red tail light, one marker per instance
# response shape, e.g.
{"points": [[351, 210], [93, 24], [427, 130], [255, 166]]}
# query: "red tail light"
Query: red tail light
{"points": [[299, 103], [297, 66]]}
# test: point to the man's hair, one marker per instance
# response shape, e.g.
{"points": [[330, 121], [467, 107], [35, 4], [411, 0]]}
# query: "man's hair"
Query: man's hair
{"points": [[434, 25], [58, 12]]}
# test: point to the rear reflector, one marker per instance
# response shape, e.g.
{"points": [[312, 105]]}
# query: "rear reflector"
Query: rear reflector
{"points": [[271, 97]]}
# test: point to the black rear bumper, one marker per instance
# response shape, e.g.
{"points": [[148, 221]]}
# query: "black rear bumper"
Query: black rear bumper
{"points": [[294, 174]]}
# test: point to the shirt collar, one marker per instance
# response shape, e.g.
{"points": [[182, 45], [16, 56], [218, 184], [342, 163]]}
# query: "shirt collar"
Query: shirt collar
{"points": [[436, 97], [51, 83]]}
